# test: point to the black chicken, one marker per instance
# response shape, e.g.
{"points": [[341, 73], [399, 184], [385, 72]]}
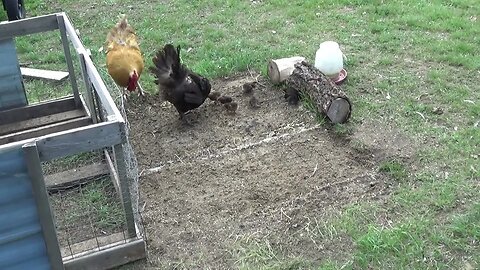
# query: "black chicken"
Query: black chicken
{"points": [[185, 89]]}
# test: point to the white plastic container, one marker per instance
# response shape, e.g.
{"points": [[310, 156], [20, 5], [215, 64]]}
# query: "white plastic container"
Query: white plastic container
{"points": [[329, 59]]}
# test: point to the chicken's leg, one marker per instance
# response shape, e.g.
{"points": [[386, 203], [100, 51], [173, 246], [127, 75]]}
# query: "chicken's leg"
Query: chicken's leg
{"points": [[141, 92], [184, 119], [124, 94]]}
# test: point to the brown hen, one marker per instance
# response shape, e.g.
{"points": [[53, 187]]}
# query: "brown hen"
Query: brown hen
{"points": [[124, 58]]}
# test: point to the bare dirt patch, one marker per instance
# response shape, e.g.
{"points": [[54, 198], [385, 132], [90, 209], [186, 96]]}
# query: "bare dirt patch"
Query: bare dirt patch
{"points": [[268, 174]]}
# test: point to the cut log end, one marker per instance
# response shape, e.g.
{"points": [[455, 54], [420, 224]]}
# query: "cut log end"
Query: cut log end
{"points": [[339, 111], [273, 72], [280, 69]]}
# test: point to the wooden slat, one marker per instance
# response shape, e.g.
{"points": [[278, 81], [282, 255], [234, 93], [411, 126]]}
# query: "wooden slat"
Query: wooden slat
{"points": [[124, 188], [75, 177], [37, 110], [89, 102], [41, 121], [92, 137], [44, 74], [106, 100], [41, 198], [49, 129], [77, 44], [68, 57], [118, 254], [28, 26], [113, 171], [99, 86], [92, 244]]}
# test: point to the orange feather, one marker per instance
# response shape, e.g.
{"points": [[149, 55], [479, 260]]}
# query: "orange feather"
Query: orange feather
{"points": [[123, 53]]}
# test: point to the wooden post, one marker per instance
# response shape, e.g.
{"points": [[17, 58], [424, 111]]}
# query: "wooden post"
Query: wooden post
{"points": [[68, 58], [124, 185], [279, 69], [44, 212], [328, 98], [88, 88]]}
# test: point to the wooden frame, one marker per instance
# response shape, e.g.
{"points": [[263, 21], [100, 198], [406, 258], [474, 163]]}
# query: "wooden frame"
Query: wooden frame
{"points": [[44, 212], [102, 127], [68, 58], [39, 109], [113, 255], [28, 26]]}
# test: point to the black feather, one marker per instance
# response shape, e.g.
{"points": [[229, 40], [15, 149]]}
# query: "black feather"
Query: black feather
{"points": [[185, 89]]}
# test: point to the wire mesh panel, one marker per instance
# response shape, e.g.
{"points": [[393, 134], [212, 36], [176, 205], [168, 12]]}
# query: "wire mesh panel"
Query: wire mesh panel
{"points": [[88, 217], [87, 204], [132, 172]]}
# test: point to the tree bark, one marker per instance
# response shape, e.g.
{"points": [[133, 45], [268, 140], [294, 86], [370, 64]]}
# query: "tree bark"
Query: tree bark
{"points": [[327, 97]]}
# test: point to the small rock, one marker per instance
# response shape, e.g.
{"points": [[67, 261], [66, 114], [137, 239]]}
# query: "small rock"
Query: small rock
{"points": [[437, 111], [248, 87], [254, 103]]}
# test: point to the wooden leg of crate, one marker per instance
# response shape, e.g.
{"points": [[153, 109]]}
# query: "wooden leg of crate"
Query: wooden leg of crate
{"points": [[124, 186], [68, 58], [88, 86]]}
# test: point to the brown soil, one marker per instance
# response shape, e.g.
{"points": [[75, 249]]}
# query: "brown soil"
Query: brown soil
{"points": [[270, 174]]}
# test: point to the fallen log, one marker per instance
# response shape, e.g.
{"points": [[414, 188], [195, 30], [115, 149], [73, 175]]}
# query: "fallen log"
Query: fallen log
{"points": [[327, 97]]}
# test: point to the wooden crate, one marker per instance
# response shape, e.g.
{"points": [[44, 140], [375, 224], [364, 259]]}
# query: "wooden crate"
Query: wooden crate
{"points": [[69, 126]]}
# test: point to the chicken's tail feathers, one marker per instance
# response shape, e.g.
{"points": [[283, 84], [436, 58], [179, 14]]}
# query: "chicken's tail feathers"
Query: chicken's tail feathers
{"points": [[122, 22], [167, 67], [122, 34]]}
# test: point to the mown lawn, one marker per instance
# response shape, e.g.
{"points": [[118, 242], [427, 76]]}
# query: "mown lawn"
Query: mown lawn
{"points": [[412, 64]]}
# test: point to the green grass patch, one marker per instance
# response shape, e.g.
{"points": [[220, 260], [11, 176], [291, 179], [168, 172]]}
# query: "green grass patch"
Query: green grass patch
{"points": [[88, 211], [394, 169], [261, 256], [406, 59]]}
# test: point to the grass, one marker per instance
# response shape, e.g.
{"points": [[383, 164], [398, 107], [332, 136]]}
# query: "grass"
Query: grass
{"points": [[85, 212], [405, 59], [394, 169]]}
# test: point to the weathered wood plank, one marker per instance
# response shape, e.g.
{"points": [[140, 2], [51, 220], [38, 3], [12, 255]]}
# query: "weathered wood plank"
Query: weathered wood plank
{"points": [[106, 100], [37, 110], [41, 197], [44, 74], [114, 256], [41, 121], [102, 115], [89, 101], [77, 44], [92, 244], [68, 57], [101, 90], [92, 137], [45, 130], [113, 171], [28, 26], [124, 187], [75, 177]]}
